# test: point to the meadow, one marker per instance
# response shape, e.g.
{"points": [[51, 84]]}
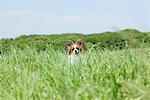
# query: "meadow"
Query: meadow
{"points": [[100, 74]]}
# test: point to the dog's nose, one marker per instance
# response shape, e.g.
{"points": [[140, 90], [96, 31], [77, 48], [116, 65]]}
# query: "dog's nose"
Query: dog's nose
{"points": [[76, 52]]}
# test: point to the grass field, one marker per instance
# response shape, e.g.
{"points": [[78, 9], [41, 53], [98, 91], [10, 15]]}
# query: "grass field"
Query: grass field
{"points": [[109, 75]]}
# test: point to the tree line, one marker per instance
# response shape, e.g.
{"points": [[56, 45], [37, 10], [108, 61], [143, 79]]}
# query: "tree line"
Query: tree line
{"points": [[131, 38]]}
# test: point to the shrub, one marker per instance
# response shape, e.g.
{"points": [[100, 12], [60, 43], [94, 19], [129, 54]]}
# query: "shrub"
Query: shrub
{"points": [[110, 40]]}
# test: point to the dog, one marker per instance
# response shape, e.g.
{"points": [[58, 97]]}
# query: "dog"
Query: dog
{"points": [[74, 50]]}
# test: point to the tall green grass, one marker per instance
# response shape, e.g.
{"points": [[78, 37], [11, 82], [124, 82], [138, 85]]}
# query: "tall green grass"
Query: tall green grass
{"points": [[121, 74]]}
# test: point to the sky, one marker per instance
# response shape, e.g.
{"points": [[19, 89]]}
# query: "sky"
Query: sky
{"points": [[24, 17]]}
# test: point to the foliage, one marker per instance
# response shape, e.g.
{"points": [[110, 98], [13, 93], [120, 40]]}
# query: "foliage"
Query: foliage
{"points": [[35, 67], [115, 75], [110, 40]]}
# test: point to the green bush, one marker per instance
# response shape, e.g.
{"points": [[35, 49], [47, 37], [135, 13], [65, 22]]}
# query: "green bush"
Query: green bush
{"points": [[110, 40]]}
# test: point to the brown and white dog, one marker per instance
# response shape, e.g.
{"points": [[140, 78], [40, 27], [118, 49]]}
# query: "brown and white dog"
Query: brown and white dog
{"points": [[74, 50]]}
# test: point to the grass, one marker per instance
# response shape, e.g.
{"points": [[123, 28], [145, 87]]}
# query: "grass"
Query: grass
{"points": [[121, 74]]}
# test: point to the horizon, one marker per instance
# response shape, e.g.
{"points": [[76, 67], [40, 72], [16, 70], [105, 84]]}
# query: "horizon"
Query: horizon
{"points": [[56, 17], [70, 33]]}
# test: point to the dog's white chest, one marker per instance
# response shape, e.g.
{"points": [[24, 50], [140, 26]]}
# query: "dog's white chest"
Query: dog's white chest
{"points": [[73, 58]]}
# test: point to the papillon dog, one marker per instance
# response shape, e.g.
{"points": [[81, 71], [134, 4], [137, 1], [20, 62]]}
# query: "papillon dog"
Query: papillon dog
{"points": [[74, 50]]}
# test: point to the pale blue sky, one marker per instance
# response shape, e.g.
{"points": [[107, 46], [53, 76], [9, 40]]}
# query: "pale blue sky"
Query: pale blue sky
{"points": [[62, 16]]}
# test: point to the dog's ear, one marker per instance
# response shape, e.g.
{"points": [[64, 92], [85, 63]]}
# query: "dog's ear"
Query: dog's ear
{"points": [[79, 42], [69, 43]]}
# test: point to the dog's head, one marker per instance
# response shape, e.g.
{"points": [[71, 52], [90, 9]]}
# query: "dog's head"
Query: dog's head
{"points": [[74, 48]]}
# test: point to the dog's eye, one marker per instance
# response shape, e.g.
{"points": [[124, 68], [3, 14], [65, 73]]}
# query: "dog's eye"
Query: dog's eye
{"points": [[77, 48], [72, 49]]}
